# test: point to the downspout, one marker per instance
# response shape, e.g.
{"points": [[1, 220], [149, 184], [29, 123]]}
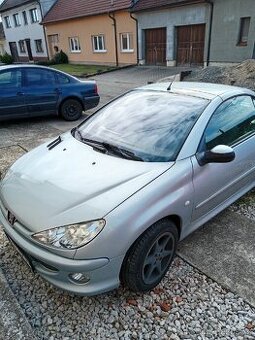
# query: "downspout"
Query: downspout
{"points": [[45, 37], [210, 2], [137, 46], [115, 38]]}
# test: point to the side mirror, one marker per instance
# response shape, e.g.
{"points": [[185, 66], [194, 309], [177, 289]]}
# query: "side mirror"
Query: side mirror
{"points": [[218, 154]]}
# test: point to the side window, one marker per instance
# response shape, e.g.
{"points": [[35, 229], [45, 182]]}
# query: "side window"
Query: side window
{"points": [[11, 78], [62, 79], [39, 77], [232, 122]]}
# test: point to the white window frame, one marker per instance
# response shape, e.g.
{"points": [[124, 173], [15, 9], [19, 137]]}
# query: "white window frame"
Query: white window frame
{"points": [[7, 21], [16, 19], [34, 15], [53, 38], [74, 45], [129, 37], [22, 49], [96, 42], [36, 46]]}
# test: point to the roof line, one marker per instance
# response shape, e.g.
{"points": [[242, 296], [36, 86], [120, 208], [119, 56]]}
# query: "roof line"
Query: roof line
{"points": [[184, 3], [81, 16], [11, 7]]}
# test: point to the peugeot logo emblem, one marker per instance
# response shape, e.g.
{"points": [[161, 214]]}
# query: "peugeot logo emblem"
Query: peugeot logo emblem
{"points": [[11, 218]]}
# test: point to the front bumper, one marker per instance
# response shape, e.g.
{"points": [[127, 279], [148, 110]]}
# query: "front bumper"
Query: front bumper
{"points": [[103, 272]]}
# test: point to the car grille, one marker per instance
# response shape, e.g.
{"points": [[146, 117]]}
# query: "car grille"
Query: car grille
{"points": [[11, 219]]}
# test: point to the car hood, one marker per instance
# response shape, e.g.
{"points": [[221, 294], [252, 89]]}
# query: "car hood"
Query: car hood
{"points": [[71, 183]]}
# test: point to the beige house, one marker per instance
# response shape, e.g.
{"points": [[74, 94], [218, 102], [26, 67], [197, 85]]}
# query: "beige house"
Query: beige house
{"points": [[92, 32]]}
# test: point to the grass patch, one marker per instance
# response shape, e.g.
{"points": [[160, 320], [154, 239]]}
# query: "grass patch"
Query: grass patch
{"points": [[81, 70]]}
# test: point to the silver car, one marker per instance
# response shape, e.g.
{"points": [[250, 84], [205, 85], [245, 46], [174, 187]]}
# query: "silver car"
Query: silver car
{"points": [[108, 201]]}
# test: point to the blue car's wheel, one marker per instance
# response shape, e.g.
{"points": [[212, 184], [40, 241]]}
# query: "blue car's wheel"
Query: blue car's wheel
{"points": [[150, 257], [71, 109]]}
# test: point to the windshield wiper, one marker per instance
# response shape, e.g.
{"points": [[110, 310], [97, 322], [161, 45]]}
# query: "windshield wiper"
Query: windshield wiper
{"points": [[91, 142], [121, 152], [95, 144], [108, 148]]}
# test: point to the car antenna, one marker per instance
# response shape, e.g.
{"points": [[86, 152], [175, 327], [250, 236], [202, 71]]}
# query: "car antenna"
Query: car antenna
{"points": [[170, 85]]}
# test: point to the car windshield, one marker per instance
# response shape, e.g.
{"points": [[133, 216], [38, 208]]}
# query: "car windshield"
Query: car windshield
{"points": [[151, 125]]}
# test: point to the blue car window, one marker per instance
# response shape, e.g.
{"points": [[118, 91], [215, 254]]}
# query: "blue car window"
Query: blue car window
{"points": [[62, 79], [11, 78], [39, 77]]}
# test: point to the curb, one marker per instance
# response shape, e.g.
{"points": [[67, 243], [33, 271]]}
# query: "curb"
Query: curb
{"points": [[102, 72], [13, 323]]}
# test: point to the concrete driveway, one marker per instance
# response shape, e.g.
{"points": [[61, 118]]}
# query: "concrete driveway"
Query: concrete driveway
{"points": [[224, 249]]}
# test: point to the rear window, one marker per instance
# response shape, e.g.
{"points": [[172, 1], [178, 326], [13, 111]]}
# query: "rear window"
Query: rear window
{"points": [[62, 79]]}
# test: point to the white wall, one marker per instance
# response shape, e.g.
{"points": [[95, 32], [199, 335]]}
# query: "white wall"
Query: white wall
{"points": [[2, 46], [32, 31]]}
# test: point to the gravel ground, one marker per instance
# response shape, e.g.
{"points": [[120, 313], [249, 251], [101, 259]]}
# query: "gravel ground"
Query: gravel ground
{"points": [[187, 305], [245, 205]]}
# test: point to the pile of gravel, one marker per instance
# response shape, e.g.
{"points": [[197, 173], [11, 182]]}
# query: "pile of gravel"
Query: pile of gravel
{"points": [[242, 75], [186, 305]]}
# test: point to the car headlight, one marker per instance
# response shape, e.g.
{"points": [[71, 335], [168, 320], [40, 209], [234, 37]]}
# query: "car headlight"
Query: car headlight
{"points": [[70, 236]]}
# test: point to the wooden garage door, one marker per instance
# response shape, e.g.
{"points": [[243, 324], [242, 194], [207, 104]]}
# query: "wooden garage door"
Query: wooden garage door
{"points": [[155, 46], [190, 45]]}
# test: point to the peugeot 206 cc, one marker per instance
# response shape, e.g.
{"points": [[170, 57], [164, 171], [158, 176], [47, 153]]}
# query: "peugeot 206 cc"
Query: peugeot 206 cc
{"points": [[108, 201]]}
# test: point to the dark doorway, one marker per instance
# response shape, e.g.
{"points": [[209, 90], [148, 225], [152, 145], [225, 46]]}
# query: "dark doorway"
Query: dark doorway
{"points": [[155, 46], [190, 44], [14, 51], [29, 51]]}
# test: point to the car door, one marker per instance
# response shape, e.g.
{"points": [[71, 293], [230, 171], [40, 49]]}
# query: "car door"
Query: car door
{"points": [[12, 101], [216, 184], [41, 91]]}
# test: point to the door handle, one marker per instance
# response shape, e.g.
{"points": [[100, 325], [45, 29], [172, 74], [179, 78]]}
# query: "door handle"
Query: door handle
{"points": [[20, 93]]}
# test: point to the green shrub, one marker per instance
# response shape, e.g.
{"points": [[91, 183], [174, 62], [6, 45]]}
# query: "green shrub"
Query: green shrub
{"points": [[45, 62], [6, 58], [60, 58]]}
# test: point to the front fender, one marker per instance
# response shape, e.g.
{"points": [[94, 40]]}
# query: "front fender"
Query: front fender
{"points": [[169, 194]]}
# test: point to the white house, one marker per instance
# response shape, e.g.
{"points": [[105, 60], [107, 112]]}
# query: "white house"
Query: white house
{"points": [[25, 37], [2, 40]]}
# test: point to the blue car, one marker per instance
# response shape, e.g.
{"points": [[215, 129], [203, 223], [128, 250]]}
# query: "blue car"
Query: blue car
{"points": [[31, 91]]}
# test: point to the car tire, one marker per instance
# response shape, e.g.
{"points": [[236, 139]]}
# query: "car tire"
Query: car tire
{"points": [[71, 109], [148, 260]]}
